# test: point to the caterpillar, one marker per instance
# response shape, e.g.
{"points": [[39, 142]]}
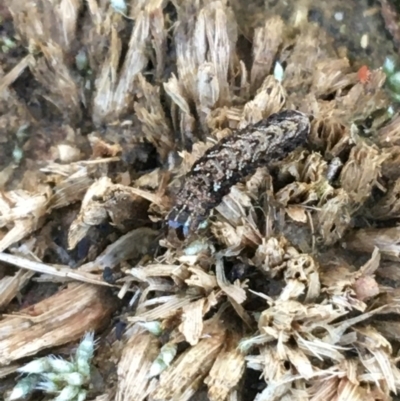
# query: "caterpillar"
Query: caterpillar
{"points": [[231, 160]]}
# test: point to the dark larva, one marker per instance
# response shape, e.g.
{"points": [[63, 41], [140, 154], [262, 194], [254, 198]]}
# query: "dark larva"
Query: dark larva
{"points": [[231, 160]]}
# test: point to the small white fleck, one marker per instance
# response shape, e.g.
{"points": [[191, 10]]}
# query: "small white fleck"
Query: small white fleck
{"points": [[81, 60], [364, 41], [278, 71], [339, 16], [216, 186], [18, 154], [203, 224], [389, 66], [153, 327]]}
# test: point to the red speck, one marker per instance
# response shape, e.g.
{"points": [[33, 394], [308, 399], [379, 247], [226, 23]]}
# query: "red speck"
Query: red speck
{"points": [[364, 74]]}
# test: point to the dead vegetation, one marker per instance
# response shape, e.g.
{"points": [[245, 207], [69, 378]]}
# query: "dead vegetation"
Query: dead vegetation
{"points": [[295, 277]]}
